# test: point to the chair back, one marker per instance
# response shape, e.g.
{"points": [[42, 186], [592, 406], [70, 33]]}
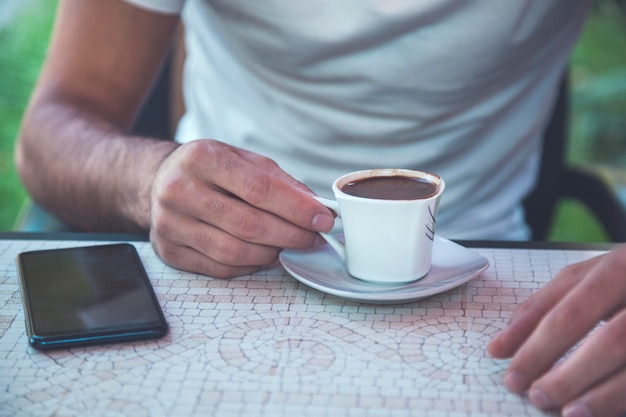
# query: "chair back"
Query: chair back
{"points": [[557, 180]]}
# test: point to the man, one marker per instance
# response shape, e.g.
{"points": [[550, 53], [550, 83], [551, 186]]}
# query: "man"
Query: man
{"points": [[280, 94]]}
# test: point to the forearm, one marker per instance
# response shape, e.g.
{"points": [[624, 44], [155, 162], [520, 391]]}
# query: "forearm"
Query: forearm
{"points": [[87, 171]]}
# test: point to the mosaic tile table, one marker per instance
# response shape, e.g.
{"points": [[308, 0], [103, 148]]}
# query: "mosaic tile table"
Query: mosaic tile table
{"points": [[267, 345]]}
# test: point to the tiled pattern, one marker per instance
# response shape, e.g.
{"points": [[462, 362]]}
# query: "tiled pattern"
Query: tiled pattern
{"points": [[266, 345]]}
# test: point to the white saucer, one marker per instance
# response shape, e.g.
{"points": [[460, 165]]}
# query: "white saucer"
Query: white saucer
{"points": [[322, 269]]}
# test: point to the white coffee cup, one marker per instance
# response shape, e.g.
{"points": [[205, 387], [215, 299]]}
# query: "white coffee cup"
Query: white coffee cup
{"points": [[387, 241]]}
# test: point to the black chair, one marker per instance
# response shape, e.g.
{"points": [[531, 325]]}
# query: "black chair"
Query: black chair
{"points": [[559, 181], [154, 118]]}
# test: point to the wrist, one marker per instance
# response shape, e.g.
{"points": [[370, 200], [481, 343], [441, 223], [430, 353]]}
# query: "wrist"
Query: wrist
{"points": [[136, 203]]}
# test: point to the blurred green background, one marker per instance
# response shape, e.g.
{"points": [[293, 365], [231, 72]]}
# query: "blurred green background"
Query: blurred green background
{"points": [[598, 103], [24, 31]]}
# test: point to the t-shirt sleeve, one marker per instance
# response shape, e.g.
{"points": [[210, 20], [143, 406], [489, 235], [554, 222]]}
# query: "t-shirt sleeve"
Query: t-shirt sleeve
{"points": [[159, 6]]}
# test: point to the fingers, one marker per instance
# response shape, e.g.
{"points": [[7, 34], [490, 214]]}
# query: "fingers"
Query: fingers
{"points": [[606, 399], [231, 215], [558, 330], [261, 183], [551, 322], [221, 211], [188, 259], [526, 318], [597, 289], [591, 369], [190, 245]]}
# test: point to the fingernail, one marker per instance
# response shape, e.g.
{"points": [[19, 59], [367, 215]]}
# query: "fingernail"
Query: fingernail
{"points": [[515, 382], [577, 410], [540, 399], [323, 222]]}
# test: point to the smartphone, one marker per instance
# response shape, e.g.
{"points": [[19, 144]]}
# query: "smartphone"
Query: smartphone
{"points": [[88, 295]]}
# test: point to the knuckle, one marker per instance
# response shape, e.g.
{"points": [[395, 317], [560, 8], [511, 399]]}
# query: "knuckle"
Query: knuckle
{"points": [[170, 188], [161, 225], [216, 208], [202, 242], [167, 252], [256, 188], [220, 156], [233, 253], [196, 147], [202, 152], [249, 227], [227, 252]]}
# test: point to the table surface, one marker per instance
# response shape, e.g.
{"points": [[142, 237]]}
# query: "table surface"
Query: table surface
{"points": [[267, 345]]}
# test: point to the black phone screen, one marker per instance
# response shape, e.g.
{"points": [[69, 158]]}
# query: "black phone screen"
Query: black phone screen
{"points": [[88, 295]]}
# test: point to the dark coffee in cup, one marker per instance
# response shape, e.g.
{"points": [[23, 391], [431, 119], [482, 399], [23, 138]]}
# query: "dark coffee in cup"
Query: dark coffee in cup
{"points": [[395, 187], [389, 229]]}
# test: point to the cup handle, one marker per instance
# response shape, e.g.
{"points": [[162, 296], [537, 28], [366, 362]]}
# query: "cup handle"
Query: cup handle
{"points": [[334, 243]]}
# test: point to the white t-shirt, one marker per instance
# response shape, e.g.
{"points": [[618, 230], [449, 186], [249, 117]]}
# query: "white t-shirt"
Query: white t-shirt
{"points": [[459, 88]]}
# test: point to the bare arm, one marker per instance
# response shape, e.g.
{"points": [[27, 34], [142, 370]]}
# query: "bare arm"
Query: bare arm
{"points": [[72, 154], [209, 207]]}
